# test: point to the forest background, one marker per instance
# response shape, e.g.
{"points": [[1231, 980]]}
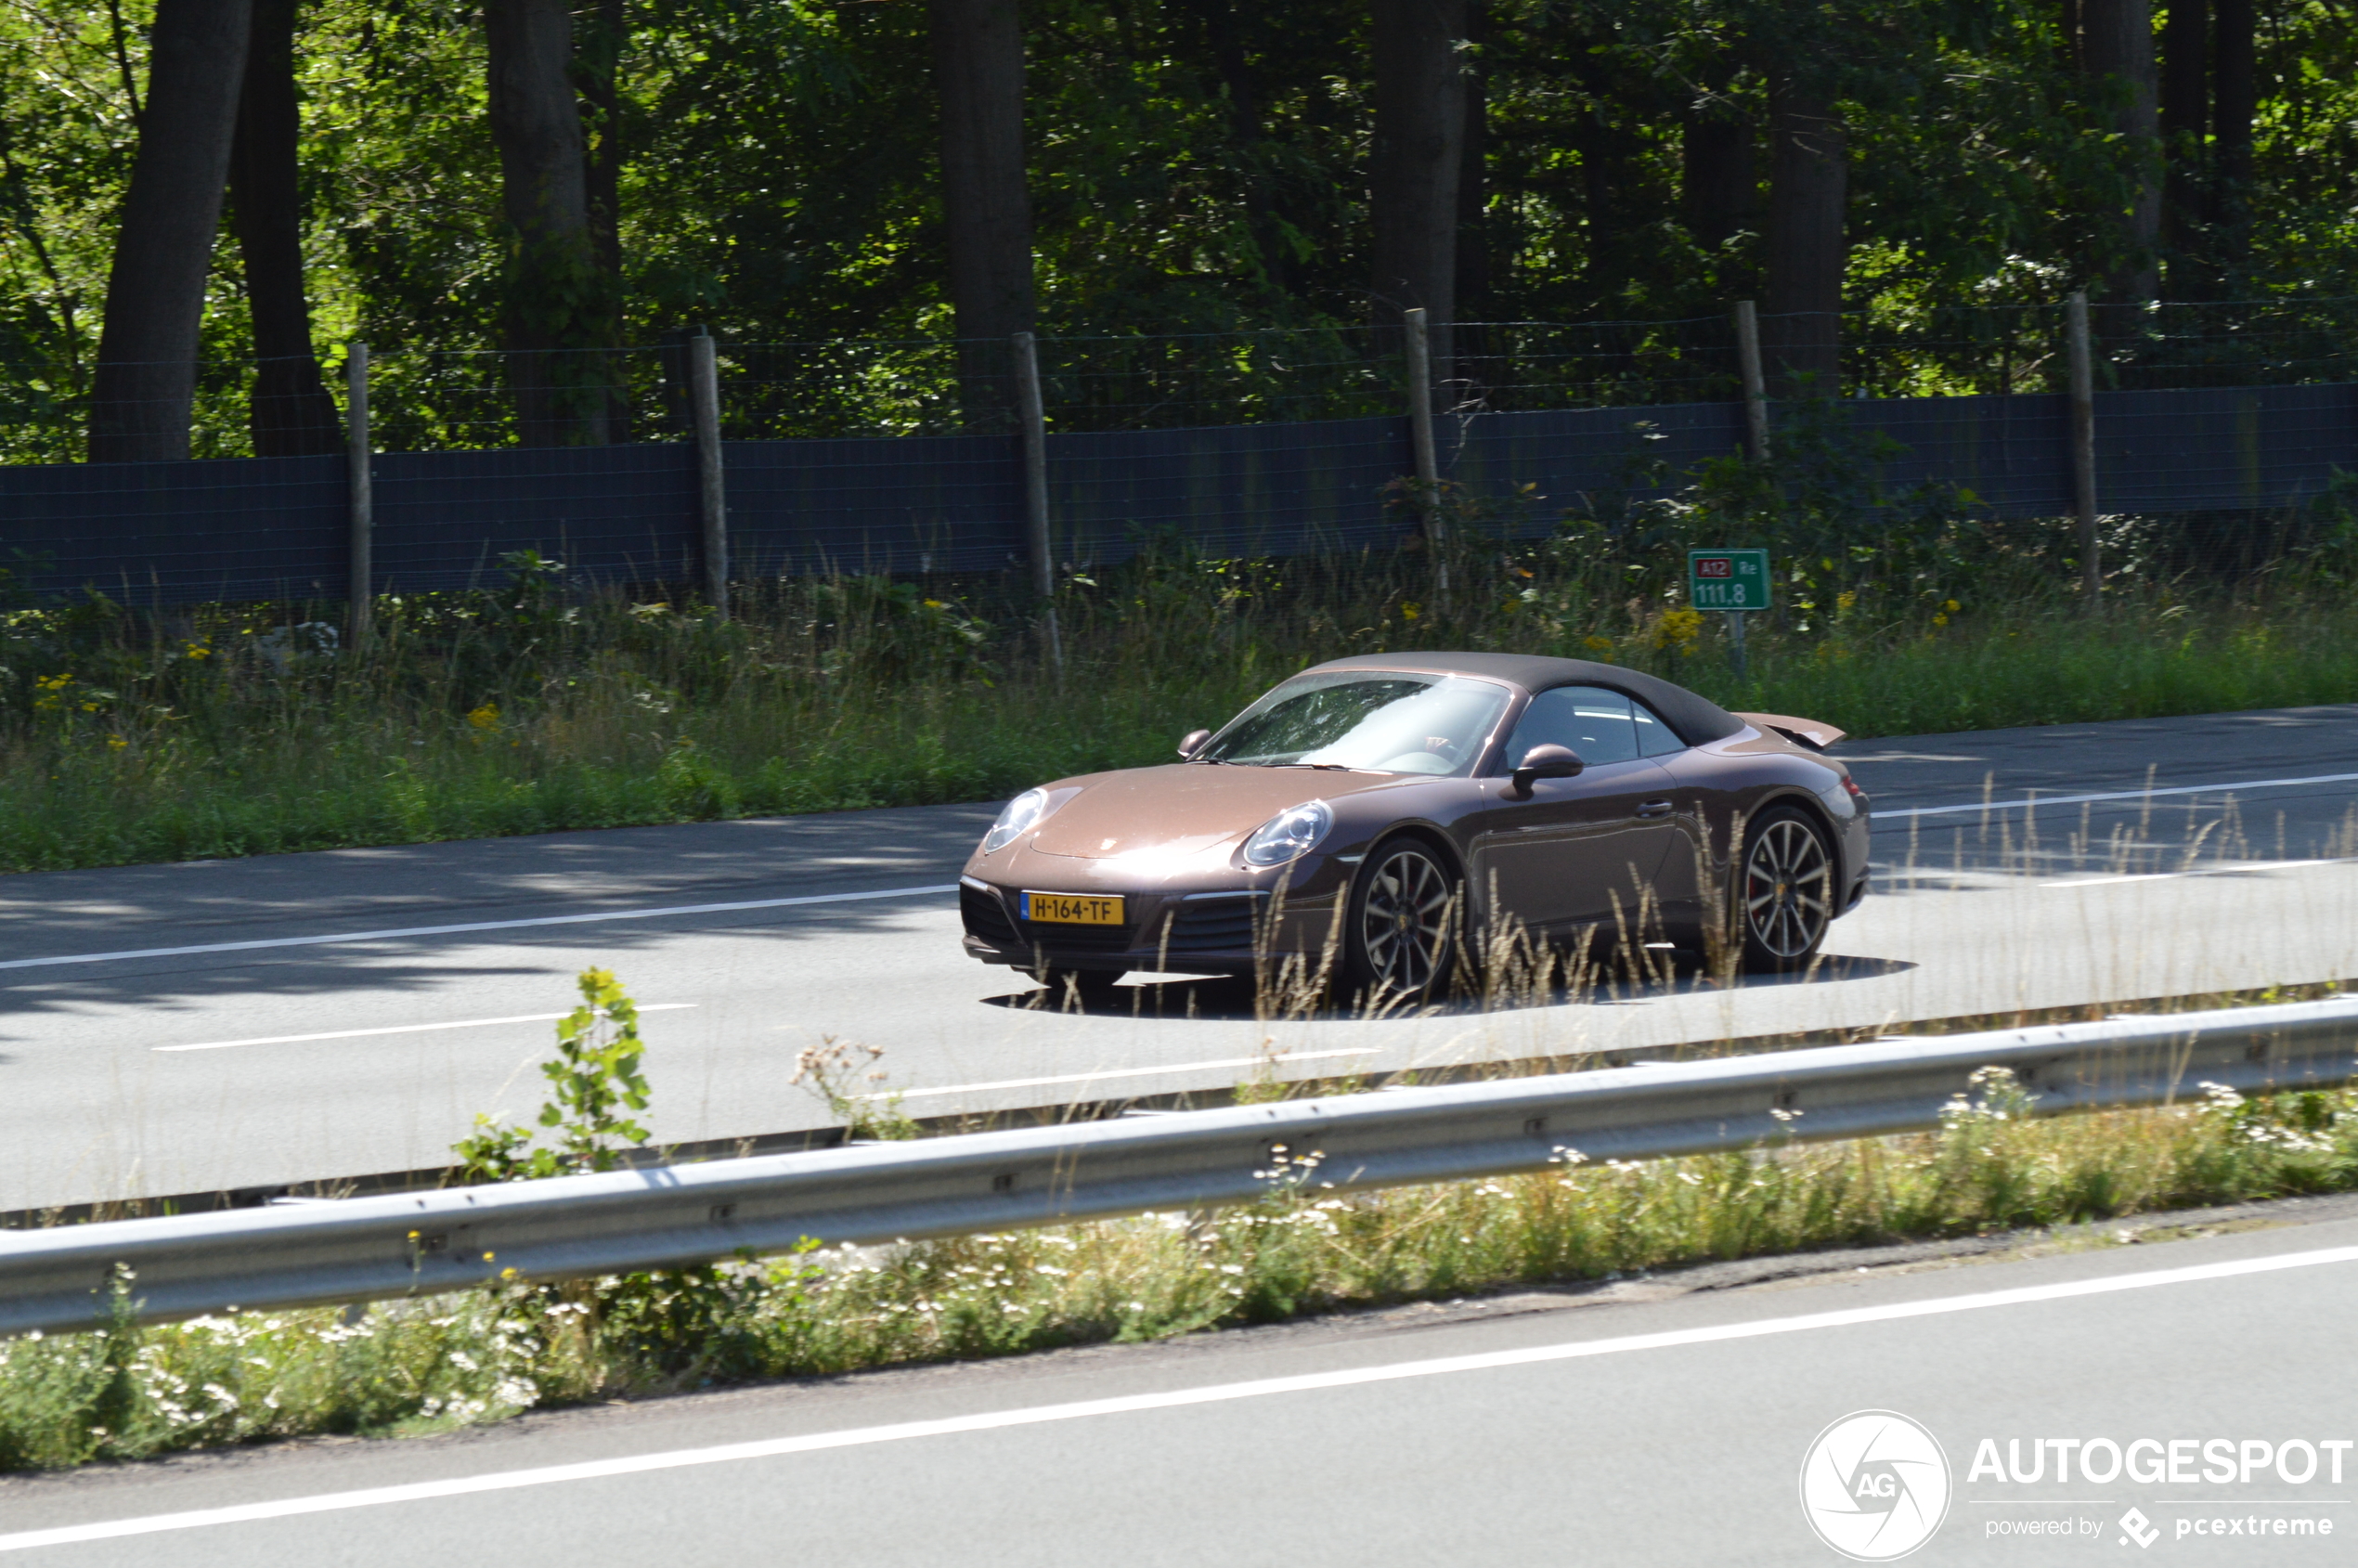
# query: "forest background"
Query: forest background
{"points": [[201, 200], [531, 176]]}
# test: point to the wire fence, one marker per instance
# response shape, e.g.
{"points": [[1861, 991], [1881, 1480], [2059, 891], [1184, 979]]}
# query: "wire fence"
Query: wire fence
{"points": [[479, 399], [898, 456]]}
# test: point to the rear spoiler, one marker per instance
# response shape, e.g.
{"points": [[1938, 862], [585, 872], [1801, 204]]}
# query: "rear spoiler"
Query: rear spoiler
{"points": [[1802, 732]]}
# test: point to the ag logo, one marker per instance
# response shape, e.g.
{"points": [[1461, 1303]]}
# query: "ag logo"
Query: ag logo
{"points": [[1874, 1486]]}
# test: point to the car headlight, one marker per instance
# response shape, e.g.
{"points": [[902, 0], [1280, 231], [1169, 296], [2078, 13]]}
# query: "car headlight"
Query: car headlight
{"points": [[1023, 813], [1290, 834]]}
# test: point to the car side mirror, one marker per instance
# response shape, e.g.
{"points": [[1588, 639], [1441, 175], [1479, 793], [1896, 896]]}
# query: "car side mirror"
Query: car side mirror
{"points": [[1192, 743], [1546, 762]]}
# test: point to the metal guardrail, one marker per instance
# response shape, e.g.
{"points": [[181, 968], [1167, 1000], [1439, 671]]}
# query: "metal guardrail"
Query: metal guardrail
{"points": [[375, 1248]]}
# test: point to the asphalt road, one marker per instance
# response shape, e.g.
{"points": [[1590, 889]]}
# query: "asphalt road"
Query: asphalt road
{"points": [[1657, 1421], [216, 1024]]}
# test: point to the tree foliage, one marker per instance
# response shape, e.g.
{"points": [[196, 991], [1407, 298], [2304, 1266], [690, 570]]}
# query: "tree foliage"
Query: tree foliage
{"points": [[1195, 166]]}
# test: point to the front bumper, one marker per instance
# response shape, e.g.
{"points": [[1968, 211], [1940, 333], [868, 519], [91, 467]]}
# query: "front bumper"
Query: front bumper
{"points": [[1217, 930]]}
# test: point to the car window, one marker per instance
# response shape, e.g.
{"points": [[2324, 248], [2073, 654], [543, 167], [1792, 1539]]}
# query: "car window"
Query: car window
{"points": [[1379, 721], [1596, 724], [1654, 737]]}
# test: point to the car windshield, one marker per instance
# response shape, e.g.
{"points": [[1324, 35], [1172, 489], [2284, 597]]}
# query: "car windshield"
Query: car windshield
{"points": [[1376, 720]]}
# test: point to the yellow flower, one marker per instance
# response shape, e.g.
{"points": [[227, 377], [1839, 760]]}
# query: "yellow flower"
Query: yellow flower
{"points": [[1940, 620], [1597, 644], [1410, 612], [484, 717], [1844, 600], [197, 651], [935, 605], [116, 743], [1950, 605]]}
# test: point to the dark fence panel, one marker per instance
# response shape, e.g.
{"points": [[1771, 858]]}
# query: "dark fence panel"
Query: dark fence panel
{"points": [[275, 528], [177, 533], [908, 503], [613, 513], [2222, 449], [1276, 489], [1578, 458]]}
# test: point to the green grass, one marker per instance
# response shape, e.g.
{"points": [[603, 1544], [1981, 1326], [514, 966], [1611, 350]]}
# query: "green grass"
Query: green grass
{"points": [[427, 1364], [531, 708]]}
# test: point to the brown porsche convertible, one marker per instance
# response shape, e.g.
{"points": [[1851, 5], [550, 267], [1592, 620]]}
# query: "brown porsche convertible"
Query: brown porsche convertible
{"points": [[1401, 802]]}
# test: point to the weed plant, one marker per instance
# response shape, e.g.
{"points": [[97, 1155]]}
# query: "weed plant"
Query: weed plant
{"points": [[542, 703], [426, 1364]]}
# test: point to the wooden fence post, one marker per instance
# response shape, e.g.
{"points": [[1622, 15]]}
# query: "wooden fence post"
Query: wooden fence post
{"points": [[360, 586], [1419, 345], [704, 397], [1755, 386], [1032, 412], [2083, 443]]}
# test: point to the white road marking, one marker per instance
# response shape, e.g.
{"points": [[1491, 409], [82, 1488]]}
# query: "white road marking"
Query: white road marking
{"points": [[478, 926], [2119, 795], [1136, 1072], [2224, 868], [1216, 1394], [407, 1029]]}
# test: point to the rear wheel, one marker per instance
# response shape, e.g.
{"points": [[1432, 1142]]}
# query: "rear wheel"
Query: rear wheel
{"points": [[1785, 890], [1402, 935]]}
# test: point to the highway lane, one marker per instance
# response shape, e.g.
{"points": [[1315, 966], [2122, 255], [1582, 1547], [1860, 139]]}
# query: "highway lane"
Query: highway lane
{"points": [[1658, 1420], [245, 1063]]}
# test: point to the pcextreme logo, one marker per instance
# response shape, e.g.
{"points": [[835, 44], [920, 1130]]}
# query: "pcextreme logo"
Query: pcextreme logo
{"points": [[1875, 1486]]}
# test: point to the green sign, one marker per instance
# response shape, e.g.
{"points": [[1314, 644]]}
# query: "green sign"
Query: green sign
{"points": [[1727, 579]]}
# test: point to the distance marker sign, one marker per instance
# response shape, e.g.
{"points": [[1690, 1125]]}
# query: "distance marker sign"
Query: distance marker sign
{"points": [[1727, 579]]}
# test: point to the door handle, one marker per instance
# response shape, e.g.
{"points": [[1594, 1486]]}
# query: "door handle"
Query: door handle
{"points": [[1655, 808]]}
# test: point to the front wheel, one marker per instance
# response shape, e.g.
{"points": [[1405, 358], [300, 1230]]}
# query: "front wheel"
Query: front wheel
{"points": [[1785, 890], [1402, 933]]}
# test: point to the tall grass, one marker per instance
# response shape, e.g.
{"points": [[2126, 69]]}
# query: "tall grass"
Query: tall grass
{"points": [[541, 704], [423, 1364]]}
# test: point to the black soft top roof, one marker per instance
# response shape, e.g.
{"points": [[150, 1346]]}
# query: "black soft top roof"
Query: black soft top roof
{"points": [[1695, 720]]}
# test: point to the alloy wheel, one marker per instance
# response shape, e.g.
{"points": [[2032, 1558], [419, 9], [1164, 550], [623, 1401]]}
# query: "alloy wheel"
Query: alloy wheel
{"points": [[1405, 922], [1787, 888]]}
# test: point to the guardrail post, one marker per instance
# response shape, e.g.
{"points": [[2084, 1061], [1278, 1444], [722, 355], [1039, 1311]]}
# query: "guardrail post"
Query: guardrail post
{"points": [[360, 584], [704, 397], [1755, 386], [2083, 443], [1419, 350], [1032, 412]]}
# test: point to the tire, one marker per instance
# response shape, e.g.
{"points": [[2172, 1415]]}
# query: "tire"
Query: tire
{"points": [[1400, 941], [1784, 891]]}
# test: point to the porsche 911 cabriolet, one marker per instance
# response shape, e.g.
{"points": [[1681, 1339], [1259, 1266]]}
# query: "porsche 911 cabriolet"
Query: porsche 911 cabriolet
{"points": [[1399, 805]]}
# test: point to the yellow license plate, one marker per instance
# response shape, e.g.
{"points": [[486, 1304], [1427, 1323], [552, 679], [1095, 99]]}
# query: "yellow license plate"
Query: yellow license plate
{"points": [[1073, 909]]}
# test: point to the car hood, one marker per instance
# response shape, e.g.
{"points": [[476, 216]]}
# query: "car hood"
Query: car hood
{"points": [[1183, 807]]}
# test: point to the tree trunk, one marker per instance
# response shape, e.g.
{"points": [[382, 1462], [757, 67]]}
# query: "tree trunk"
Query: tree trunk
{"points": [[1471, 274], [977, 63], [2235, 85], [1415, 163], [1222, 29], [2185, 120], [1719, 187], [2117, 52], [291, 413], [1805, 252], [597, 63], [558, 306], [146, 372]]}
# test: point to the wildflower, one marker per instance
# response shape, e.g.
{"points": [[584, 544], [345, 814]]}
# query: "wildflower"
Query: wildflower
{"points": [[116, 743], [1410, 612], [1845, 599], [484, 717], [1597, 644]]}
